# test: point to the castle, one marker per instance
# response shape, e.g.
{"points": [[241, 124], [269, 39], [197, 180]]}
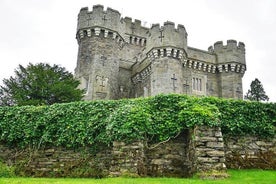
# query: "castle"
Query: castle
{"points": [[120, 58]]}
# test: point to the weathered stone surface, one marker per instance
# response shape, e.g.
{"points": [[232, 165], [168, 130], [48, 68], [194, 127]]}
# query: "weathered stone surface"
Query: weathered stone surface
{"points": [[215, 153], [170, 159], [250, 152], [215, 144], [207, 159], [210, 154], [218, 134], [121, 59], [262, 143], [206, 139], [178, 157]]}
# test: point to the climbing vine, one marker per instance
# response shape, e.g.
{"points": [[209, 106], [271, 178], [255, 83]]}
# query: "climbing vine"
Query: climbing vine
{"points": [[154, 119]]}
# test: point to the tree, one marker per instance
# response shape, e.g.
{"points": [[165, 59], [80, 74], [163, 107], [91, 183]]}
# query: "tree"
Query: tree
{"points": [[256, 92], [40, 84]]}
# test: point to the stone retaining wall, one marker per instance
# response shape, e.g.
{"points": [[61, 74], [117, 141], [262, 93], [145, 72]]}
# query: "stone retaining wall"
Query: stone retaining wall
{"points": [[250, 152], [195, 150], [56, 161], [209, 149], [127, 159], [171, 158]]}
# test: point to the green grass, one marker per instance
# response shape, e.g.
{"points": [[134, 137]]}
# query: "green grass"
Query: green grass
{"points": [[236, 177]]}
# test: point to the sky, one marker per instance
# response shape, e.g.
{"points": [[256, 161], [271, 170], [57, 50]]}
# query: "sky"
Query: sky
{"points": [[34, 31]]}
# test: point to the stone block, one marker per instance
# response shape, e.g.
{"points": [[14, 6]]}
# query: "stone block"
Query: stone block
{"points": [[49, 150], [263, 144], [171, 156], [115, 152], [207, 139], [43, 169], [160, 162], [215, 144], [135, 147], [215, 153], [206, 159], [45, 163], [222, 160], [220, 139], [200, 143], [42, 159], [219, 166], [202, 151], [118, 144], [218, 134]]}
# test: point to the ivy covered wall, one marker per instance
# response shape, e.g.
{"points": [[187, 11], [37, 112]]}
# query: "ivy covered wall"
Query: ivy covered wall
{"points": [[95, 126]]}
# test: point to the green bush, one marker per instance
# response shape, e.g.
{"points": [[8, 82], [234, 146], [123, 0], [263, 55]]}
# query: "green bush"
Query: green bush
{"points": [[246, 118], [6, 171], [99, 123]]}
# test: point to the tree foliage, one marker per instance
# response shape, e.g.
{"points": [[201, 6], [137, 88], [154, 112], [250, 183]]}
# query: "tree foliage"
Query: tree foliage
{"points": [[40, 84], [256, 92]]}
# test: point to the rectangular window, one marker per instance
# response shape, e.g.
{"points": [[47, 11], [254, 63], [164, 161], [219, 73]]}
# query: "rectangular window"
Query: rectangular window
{"points": [[197, 84]]}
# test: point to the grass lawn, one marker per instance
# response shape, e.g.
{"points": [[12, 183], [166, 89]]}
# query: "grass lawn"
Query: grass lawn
{"points": [[237, 176]]}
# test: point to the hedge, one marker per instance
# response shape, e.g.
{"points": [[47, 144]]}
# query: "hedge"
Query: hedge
{"points": [[99, 123]]}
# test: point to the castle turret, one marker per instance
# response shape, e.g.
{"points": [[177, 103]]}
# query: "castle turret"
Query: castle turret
{"points": [[99, 52], [167, 48], [231, 67]]}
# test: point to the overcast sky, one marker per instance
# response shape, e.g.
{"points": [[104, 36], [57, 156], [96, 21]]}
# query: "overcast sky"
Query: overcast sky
{"points": [[44, 30]]}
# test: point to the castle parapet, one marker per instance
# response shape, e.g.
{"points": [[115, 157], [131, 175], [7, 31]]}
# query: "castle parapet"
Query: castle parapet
{"points": [[231, 45], [232, 52], [167, 35], [134, 28], [99, 17], [218, 45]]}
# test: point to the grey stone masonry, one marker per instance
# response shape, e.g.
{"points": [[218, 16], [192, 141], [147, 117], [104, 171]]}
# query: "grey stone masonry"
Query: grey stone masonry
{"points": [[201, 149], [249, 151], [209, 149], [127, 159], [120, 58]]}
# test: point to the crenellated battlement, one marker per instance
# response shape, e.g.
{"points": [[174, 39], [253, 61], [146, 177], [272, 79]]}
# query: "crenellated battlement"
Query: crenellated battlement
{"points": [[169, 26], [131, 31], [167, 35], [230, 57], [110, 22], [108, 18], [231, 45], [129, 22], [134, 29]]}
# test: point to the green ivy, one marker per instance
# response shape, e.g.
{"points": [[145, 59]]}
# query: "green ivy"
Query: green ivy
{"points": [[99, 123], [6, 171]]}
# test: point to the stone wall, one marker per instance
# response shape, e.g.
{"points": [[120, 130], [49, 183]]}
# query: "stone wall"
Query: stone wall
{"points": [[196, 150], [250, 152], [171, 158], [57, 162], [209, 149], [127, 159]]}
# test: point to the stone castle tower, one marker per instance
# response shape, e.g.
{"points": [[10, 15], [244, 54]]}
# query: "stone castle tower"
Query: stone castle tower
{"points": [[119, 58]]}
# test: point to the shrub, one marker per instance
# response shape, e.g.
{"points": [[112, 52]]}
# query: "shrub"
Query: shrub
{"points": [[154, 119], [6, 171]]}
